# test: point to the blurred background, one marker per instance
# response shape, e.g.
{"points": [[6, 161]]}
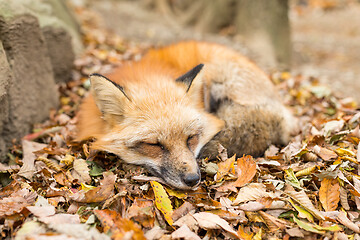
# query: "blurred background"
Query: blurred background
{"points": [[320, 38]]}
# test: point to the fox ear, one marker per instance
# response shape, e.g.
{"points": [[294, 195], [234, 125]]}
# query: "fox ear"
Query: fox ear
{"points": [[188, 77], [108, 95]]}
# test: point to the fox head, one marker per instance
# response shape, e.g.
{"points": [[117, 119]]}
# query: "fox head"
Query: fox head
{"points": [[159, 123]]}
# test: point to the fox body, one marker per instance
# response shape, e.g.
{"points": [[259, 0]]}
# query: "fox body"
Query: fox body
{"points": [[148, 115]]}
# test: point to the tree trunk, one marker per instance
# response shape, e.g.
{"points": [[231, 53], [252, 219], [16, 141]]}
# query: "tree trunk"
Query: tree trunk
{"points": [[264, 25]]}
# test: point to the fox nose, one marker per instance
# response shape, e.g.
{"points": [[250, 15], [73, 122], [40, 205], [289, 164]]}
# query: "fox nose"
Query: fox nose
{"points": [[191, 179]]}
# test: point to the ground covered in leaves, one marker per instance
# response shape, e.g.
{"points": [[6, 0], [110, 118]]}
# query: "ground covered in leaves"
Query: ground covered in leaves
{"points": [[55, 188]]}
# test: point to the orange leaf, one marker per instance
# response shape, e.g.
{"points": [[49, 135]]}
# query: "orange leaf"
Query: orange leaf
{"points": [[245, 233], [246, 167], [329, 194], [225, 168], [118, 227]]}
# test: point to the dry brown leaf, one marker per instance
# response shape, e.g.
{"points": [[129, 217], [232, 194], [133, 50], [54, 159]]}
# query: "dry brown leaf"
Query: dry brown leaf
{"points": [[142, 213], [81, 171], [301, 198], [224, 168], [16, 202], [98, 194], [43, 211], [27, 170], [118, 227], [246, 170], [324, 153], [251, 192], [8, 168], [211, 221], [60, 218], [357, 198], [273, 223], [76, 231], [329, 194], [14, 186], [189, 221], [252, 206], [181, 211], [184, 233], [295, 232], [155, 233], [343, 219]]}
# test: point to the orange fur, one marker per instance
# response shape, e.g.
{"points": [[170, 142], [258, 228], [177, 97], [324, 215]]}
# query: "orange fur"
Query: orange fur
{"points": [[155, 121]]}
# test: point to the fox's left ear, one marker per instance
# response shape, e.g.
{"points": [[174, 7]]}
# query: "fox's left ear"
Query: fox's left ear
{"points": [[109, 97], [188, 77]]}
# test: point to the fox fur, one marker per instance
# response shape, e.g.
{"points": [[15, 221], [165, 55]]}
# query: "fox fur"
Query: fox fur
{"points": [[157, 113]]}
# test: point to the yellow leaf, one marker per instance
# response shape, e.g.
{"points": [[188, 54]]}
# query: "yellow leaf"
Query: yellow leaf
{"points": [[306, 171], [302, 212], [86, 187], [162, 201], [308, 226], [329, 194], [176, 194], [301, 198], [243, 234], [345, 152]]}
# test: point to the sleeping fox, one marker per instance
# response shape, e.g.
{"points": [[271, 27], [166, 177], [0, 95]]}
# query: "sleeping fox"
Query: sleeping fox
{"points": [[177, 104]]}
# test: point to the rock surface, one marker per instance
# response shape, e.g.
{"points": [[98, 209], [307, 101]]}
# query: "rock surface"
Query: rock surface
{"points": [[36, 51]]}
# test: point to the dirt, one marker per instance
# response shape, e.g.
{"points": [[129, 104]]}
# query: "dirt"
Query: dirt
{"points": [[326, 43]]}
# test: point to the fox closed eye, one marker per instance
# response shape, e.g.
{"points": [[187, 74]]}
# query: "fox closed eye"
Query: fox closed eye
{"points": [[149, 149], [192, 142]]}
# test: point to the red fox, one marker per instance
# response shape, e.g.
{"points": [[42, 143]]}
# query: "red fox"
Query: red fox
{"points": [[178, 103]]}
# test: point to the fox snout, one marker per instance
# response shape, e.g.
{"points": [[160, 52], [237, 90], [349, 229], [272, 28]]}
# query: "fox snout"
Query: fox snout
{"points": [[183, 174], [191, 179]]}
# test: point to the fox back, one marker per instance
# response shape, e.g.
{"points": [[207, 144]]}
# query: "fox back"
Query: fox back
{"points": [[180, 102]]}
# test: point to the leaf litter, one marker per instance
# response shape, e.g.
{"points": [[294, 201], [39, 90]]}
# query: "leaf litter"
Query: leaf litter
{"points": [[61, 189]]}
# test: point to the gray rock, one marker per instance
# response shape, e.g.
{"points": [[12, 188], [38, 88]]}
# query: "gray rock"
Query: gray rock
{"points": [[31, 89]]}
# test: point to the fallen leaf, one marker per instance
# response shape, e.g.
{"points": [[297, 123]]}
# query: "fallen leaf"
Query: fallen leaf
{"points": [[252, 191], [16, 202], [27, 170], [142, 212], [42, 211], [211, 221], [81, 171], [118, 227], [78, 231], [324, 153], [295, 232], [343, 219], [97, 194], [246, 170], [302, 212], [307, 226], [181, 211], [162, 201], [252, 206], [329, 194], [301, 198], [155, 233], [189, 221], [60, 218], [273, 223], [224, 168], [243, 234], [184, 233]]}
